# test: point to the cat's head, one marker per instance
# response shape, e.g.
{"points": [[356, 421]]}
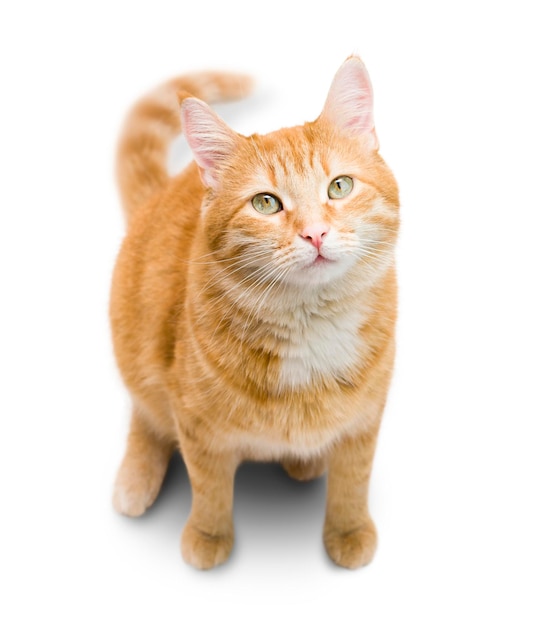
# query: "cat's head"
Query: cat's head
{"points": [[303, 205]]}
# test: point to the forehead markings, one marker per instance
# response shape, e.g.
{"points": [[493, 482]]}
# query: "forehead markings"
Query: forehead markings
{"points": [[301, 165], [295, 167]]}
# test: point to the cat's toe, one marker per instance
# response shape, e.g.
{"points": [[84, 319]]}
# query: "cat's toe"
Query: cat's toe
{"points": [[133, 494], [354, 548], [130, 502], [203, 550]]}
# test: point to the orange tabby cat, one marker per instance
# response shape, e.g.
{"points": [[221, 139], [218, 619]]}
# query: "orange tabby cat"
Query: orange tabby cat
{"points": [[253, 305]]}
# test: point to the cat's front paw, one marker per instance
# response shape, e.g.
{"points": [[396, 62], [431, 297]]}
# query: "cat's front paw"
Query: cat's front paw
{"points": [[353, 548], [203, 550]]}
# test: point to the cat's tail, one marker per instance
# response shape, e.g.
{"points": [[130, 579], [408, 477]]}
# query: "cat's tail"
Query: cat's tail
{"points": [[154, 122]]}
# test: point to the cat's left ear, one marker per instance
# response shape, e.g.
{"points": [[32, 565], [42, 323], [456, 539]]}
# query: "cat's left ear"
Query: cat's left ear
{"points": [[211, 140], [349, 104]]}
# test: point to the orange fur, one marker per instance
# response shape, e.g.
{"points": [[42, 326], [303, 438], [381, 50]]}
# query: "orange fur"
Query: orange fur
{"points": [[236, 338]]}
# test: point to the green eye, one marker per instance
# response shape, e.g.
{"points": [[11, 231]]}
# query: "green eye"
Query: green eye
{"points": [[267, 204], [340, 187]]}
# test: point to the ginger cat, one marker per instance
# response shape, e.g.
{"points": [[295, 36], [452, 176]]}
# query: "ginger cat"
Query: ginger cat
{"points": [[253, 305]]}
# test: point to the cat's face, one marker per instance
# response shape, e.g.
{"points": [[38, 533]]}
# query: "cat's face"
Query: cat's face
{"points": [[303, 205]]}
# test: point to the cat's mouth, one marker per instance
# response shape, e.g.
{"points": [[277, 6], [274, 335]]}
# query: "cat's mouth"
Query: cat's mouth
{"points": [[318, 270], [320, 261]]}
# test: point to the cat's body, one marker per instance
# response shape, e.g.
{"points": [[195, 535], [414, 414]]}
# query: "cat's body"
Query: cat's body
{"points": [[253, 306]]}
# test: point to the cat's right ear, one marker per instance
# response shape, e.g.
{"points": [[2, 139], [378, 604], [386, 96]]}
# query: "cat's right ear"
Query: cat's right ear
{"points": [[349, 104], [209, 138]]}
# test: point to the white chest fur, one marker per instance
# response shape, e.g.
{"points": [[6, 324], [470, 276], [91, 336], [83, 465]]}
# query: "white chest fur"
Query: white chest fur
{"points": [[324, 348]]}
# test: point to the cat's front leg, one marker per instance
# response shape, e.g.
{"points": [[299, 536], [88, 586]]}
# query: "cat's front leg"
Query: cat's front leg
{"points": [[350, 536], [208, 536]]}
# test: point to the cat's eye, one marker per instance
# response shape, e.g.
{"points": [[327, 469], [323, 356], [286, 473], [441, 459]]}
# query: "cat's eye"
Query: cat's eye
{"points": [[267, 204], [340, 187]]}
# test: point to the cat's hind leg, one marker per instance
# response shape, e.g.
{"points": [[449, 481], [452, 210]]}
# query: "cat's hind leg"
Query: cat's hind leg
{"points": [[142, 470], [305, 470]]}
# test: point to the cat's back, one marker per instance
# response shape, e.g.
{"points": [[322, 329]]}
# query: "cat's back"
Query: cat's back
{"points": [[149, 279]]}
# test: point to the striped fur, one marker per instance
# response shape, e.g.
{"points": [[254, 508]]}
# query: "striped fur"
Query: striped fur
{"points": [[250, 336], [154, 122]]}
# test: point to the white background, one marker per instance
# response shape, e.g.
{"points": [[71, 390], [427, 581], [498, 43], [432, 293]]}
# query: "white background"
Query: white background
{"points": [[457, 486]]}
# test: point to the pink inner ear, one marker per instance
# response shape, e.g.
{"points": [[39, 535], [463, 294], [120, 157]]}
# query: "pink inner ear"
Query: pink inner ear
{"points": [[349, 104], [209, 138]]}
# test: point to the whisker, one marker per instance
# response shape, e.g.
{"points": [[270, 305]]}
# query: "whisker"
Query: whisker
{"points": [[257, 278], [258, 304], [224, 273]]}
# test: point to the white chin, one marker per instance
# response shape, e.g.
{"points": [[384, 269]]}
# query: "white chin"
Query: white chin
{"points": [[318, 273]]}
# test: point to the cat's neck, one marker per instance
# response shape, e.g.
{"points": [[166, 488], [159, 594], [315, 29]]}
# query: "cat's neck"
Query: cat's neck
{"points": [[310, 333]]}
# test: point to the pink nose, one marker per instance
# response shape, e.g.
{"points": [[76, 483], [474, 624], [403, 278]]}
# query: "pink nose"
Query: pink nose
{"points": [[315, 233]]}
